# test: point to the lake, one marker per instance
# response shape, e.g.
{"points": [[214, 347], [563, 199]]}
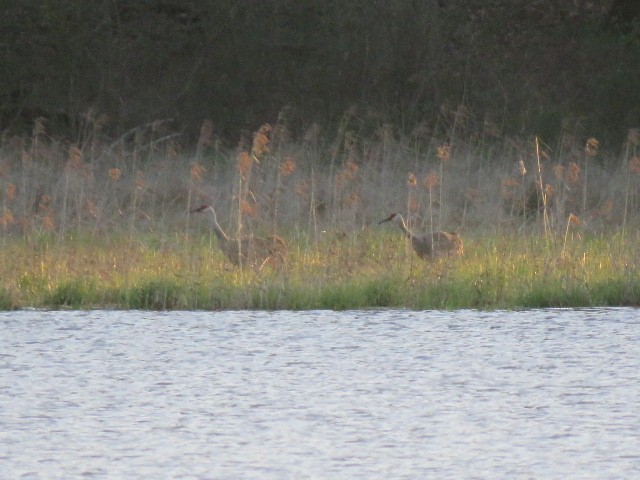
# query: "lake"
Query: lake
{"points": [[357, 394]]}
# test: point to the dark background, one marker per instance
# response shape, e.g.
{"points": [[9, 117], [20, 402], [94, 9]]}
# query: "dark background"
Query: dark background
{"points": [[523, 66]]}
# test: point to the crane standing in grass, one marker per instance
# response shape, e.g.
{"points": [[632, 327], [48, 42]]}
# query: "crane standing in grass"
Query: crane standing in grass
{"points": [[246, 251], [429, 245]]}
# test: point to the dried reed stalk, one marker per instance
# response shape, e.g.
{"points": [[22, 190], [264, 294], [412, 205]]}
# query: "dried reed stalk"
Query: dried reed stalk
{"points": [[545, 215]]}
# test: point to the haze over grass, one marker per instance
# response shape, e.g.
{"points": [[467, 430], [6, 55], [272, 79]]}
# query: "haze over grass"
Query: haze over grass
{"points": [[105, 223]]}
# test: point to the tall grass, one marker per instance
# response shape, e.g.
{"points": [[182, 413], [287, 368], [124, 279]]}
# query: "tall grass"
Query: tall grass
{"points": [[367, 270], [105, 222]]}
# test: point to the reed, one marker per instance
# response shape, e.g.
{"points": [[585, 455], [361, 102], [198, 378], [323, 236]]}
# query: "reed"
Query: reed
{"points": [[631, 163], [103, 223]]}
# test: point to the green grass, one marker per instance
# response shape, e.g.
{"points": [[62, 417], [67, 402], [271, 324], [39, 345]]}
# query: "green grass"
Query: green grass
{"points": [[371, 269]]}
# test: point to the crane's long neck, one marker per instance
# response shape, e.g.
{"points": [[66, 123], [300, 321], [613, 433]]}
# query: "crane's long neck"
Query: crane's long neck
{"points": [[403, 227], [211, 214]]}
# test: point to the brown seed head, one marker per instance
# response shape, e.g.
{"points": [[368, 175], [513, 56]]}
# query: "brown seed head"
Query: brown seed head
{"points": [[574, 219], [558, 171], [411, 180], [444, 152], [115, 173], [591, 148], [573, 173], [261, 140], [244, 162], [75, 157], [431, 181], [11, 191], [196, 172], [287, 167]]}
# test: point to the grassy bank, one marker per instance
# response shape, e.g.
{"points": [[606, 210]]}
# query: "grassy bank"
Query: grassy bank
{"points": [[370, 269]]}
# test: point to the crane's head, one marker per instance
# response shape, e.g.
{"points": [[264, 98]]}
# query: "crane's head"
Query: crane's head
{"points": [[391, 218], [199, 209]]}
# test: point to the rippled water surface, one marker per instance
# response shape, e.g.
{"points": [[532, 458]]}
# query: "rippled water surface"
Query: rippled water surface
{"points": [[276, 395]]}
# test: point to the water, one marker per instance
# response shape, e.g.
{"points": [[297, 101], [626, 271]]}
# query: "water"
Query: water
{"points": [[372, 395]]}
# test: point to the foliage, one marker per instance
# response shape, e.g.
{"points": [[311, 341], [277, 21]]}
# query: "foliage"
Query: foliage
{"points": [[526, 66], [6, 301], [72, 293], [496, 272]]}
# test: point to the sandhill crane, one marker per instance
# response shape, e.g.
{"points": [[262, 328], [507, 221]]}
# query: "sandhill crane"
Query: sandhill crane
{"points": [[429, 245], [246, 251]]}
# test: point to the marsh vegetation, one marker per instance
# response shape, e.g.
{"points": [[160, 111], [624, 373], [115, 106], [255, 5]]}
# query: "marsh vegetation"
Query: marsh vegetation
{"points": [[107, 223]]}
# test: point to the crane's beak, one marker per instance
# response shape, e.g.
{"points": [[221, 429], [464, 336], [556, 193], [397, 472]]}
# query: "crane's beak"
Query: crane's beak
{"points": [[386, 219]]}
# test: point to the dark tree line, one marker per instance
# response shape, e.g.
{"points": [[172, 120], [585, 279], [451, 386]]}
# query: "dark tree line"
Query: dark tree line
{"points": [[527, 66]]}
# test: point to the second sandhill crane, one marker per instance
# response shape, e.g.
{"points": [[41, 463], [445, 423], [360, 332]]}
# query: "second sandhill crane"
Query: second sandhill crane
{"points": [[246, 251], [429, 245]]}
